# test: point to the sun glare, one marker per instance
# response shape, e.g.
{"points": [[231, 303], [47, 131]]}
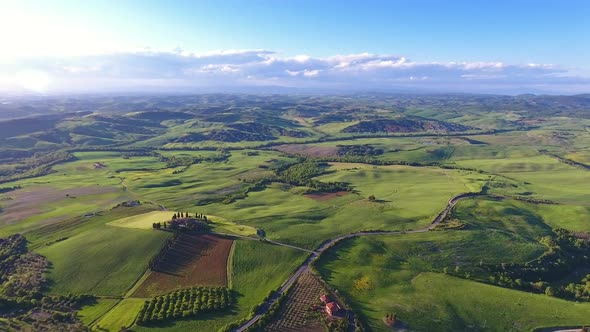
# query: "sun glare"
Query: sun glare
{"points": [[33, 80]]}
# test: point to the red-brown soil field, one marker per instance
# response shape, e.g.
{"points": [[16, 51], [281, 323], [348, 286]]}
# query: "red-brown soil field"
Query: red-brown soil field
{"points": [[193, 260], [25, 203], [326, 196], [308, 150]]}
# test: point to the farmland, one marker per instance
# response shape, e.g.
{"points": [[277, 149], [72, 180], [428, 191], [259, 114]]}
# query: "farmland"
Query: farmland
{"points": [[192, 260], [119, 259], [297, 313], [277, 177]]}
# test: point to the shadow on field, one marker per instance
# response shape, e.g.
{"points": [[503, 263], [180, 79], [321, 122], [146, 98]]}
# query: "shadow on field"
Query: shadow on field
{"points": [[184, 251]]}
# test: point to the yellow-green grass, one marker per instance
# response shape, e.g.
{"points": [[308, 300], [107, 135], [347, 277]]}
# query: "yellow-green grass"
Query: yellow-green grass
{"points": [[50, 234], [103, 260], [89, 313], [407, 198], [200, 181], [221, 225], [392, 274], [257, 268], [523, 218], [335, 127], [122, 315], [580, 156], [542, 176], [144, 220]]}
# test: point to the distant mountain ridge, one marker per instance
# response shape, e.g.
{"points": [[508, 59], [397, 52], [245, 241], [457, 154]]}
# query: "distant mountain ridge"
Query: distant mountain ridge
{"points": [[405, 125]]}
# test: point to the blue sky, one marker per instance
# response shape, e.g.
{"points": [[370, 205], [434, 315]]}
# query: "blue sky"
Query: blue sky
{"points": [[535, 45]]}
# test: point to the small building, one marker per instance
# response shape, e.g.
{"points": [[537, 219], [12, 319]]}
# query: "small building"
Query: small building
{"points": [[332, 308], [324, 298]]}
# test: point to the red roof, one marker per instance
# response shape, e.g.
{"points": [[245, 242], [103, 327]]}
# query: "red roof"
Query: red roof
{"points": [[324, 298], [331, 306]]}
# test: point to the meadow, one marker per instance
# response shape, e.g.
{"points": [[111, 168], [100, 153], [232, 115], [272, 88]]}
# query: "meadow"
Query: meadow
{"points": [[104, 260], [384, 275], [123, 314], [286, 215]]}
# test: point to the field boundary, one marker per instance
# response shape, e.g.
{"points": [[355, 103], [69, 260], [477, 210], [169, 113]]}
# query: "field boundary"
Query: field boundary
{"points": [[230, 262]]}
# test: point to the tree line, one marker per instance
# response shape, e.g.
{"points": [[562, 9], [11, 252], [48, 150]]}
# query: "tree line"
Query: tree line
{"points": [[566, 252], [185, 303]]}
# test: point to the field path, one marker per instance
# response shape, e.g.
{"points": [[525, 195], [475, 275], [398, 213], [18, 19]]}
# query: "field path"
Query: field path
{"points": [[329, 243]]}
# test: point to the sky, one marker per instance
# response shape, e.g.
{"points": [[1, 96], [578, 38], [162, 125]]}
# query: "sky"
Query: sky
{"points": [[208, 46]]}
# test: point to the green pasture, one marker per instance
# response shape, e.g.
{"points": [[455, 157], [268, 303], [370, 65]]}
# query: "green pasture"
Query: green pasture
{"points": [[540, 177], [144, 220], [407, 198], [122, 315], [102, 260], [522, 218], [392, 274], [90, 313]]}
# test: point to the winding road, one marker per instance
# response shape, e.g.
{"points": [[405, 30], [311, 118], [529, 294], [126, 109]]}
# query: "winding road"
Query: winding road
{"points": [[329, 243]]}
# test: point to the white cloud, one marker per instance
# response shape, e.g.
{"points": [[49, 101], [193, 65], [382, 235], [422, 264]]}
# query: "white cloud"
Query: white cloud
{"points": [[180, 69], [311, 73]]}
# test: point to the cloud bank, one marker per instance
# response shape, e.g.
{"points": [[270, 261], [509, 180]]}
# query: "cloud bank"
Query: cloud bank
{"points": [[229, 70]]}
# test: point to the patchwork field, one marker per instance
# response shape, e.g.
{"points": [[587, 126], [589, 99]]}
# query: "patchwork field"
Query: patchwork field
{"points": [[193, 260], [84, 189], [256, 268]]}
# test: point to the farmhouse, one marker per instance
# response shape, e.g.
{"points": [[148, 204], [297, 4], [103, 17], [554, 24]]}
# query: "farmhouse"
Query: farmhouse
{"points": [[332, 308]]}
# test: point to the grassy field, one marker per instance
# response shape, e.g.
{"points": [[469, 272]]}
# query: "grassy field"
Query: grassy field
{"points": [[217, 224], [144, 220], [540, 177], [392, 275], [407, 198], [522, 218], [90, 313], [103, 260], [122, 315]]}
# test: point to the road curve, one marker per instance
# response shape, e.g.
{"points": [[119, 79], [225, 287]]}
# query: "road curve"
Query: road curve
{"points": [[329, 243]]}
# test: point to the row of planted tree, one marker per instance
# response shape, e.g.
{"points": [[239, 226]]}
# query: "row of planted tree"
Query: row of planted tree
{"points": [[185, 303]]}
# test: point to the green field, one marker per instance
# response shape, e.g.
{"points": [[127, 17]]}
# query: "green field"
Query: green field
{"points": [[285, 215], [122, 315], [385, 275], [143, 221], [526, 219], [104, 260], [91, 313]]}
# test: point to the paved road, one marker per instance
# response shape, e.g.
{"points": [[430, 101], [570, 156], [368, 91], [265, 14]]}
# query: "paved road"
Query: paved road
{"points": [[329, 243]]}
